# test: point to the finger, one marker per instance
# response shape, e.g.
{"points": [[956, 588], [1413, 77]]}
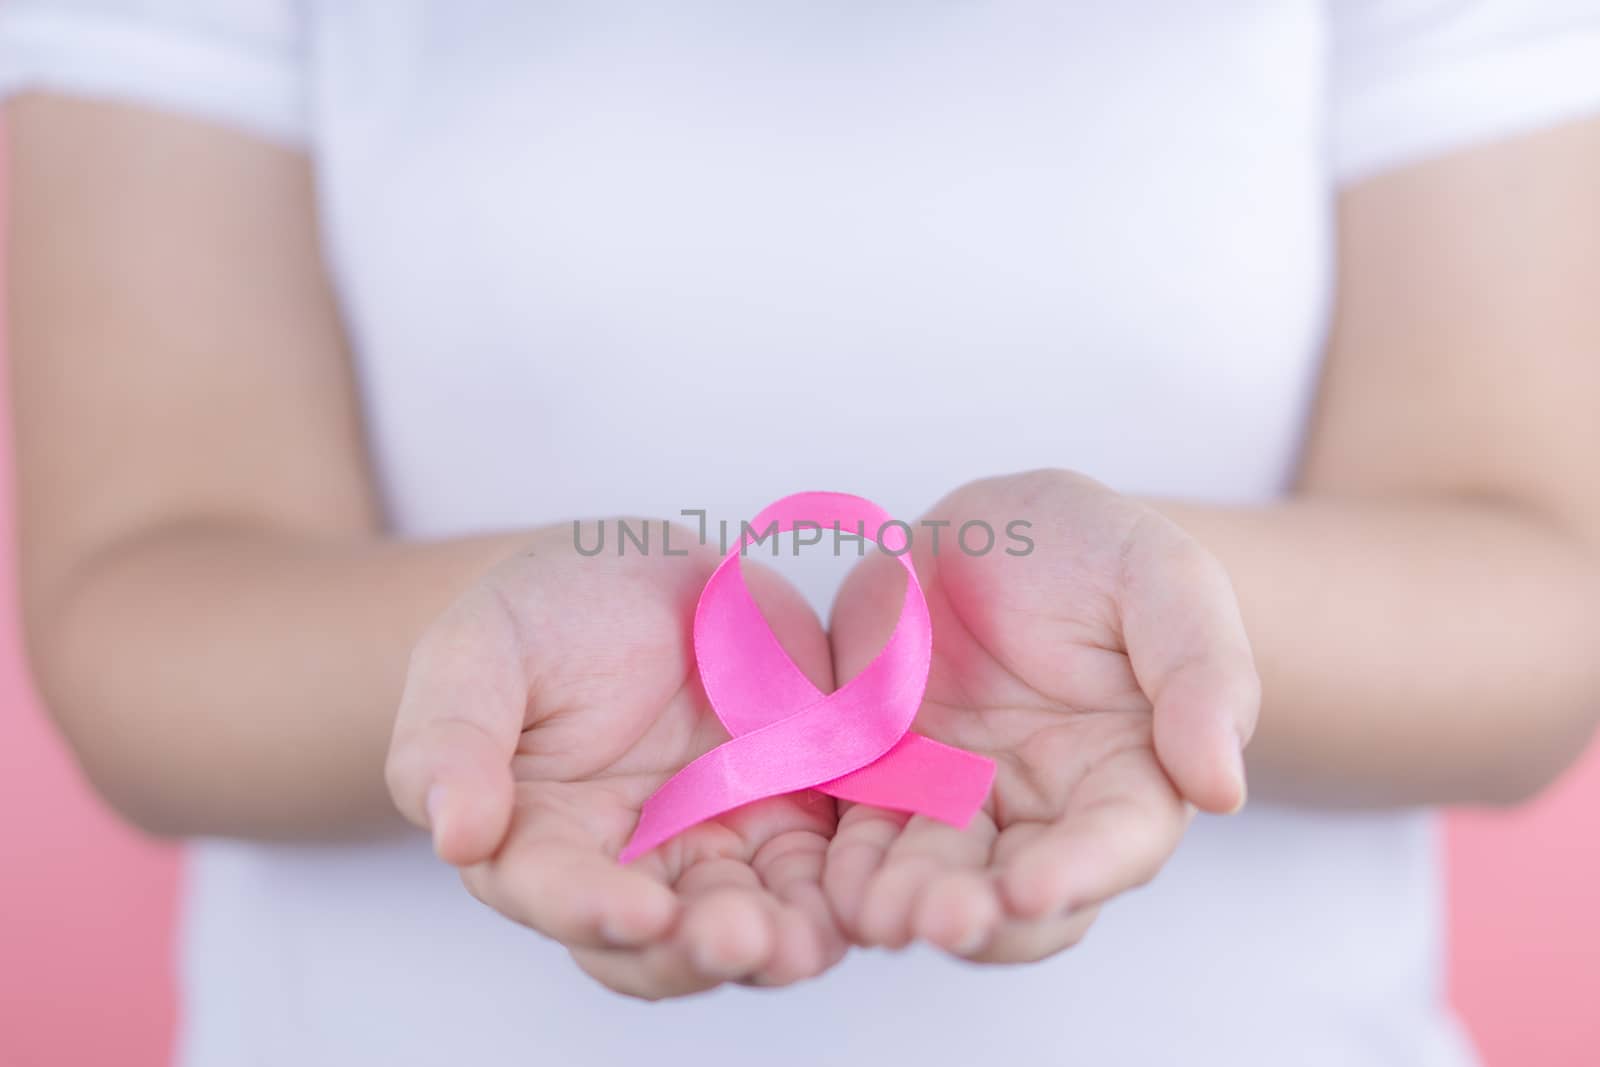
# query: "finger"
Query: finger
{"points": [[1010, 939], [1112, 838], [1031, 940], [785, 842], [924, 850], [679, 965], [462, 710], [656, 972], [1187, 644], [724, 932], [572, 892], [729, 925], [802, 948], [958, 911], [854, 856], [762, 924], [1196, 735], [809, 940]]}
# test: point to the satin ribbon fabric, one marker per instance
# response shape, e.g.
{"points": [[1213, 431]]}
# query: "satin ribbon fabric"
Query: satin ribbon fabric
{"points": [[855, 744]]}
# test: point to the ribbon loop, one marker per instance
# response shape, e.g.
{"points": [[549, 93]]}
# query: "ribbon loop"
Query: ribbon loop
{"points": [[855, 744]]}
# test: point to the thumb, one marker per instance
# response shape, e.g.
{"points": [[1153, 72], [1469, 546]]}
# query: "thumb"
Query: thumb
{"points": [[1187, 643], [461, 713]]}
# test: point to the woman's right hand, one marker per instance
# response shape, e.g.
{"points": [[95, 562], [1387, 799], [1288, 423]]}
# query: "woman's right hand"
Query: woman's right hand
{"points": [[545, 706]]}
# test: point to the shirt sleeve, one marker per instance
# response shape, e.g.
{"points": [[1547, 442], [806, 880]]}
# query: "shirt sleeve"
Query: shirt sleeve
{"points": [[238, 62], [1410, 79]]}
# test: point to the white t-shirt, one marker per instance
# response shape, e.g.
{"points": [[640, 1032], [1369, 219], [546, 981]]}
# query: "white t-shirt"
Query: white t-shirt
{"points": [[603, 258]]}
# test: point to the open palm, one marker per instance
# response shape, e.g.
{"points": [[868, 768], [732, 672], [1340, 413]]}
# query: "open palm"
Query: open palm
{"points": [[1107, 673], [543, 709]]}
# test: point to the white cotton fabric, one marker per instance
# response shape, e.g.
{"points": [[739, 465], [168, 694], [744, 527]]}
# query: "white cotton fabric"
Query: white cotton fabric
{"points": [[602, 258]]}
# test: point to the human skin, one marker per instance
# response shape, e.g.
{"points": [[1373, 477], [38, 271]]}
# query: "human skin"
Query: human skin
{"points": [[1105, 669], [539, 713], [1423, 609]]}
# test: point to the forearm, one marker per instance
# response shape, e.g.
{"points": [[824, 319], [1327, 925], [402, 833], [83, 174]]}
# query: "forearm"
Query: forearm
{"points": [[237, 681], [1411, 652]]}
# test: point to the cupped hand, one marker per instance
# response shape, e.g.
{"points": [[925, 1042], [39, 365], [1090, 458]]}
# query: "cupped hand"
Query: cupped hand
{"points": [[542, 710], [1107, 673]]}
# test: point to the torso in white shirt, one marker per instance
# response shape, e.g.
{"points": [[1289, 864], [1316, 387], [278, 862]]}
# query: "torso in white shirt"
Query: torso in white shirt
{"points": [[702, 257]]}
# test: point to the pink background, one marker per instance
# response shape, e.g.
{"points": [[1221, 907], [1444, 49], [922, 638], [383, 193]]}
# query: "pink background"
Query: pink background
{"points": [[87, 907]]}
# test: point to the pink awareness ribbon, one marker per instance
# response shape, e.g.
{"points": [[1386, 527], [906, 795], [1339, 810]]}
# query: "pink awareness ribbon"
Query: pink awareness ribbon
{"points": [[855, 744]]}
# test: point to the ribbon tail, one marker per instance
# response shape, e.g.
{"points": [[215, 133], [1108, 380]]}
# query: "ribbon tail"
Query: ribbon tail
{"points": [[921, 776]]}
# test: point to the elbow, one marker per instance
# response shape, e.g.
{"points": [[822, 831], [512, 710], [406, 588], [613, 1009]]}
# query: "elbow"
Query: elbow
{"points": [[116, 784], [1558, 678], [134, 803], [108, 759], [1535, 761], [110, 770]]}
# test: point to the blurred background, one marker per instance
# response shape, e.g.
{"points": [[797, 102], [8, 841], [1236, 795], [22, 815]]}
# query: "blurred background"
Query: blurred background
{"points": [[88, 907]]}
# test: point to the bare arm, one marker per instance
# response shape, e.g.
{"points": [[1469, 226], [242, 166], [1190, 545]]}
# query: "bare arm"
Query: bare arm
{"points": [[1425, 610], [212, 616]]}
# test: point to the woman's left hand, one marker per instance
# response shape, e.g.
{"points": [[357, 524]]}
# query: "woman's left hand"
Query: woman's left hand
{"points": [[1107, 673]]}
